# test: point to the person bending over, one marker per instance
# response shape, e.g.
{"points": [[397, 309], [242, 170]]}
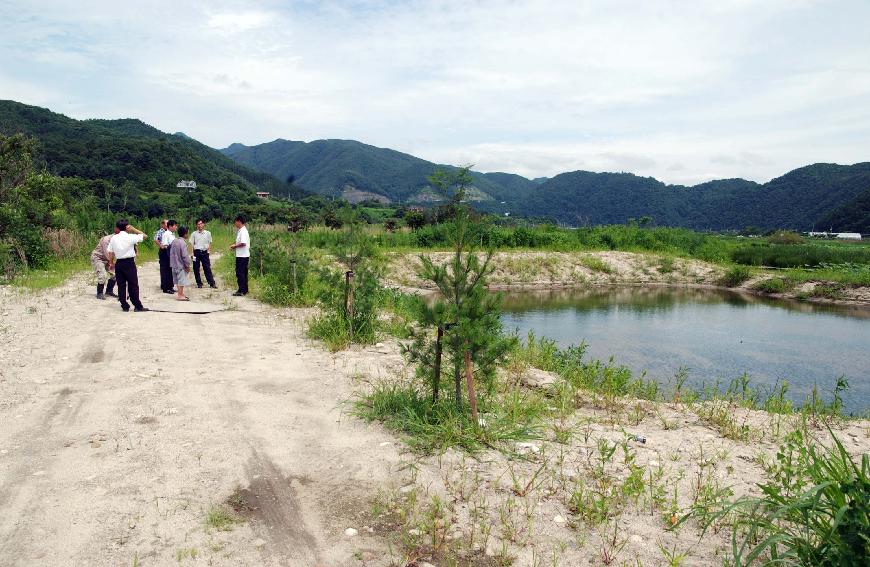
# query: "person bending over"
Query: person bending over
{"points": [[100, 262]]}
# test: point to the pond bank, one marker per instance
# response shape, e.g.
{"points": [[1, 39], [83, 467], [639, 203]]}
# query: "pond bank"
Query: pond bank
{"points": [[525, 270]]}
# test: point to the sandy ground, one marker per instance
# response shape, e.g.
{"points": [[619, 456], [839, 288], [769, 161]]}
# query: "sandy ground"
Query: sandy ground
{"points": [[121, 431]]}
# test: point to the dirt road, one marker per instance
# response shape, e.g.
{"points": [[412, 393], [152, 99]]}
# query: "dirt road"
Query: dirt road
{"points": [[121, 432]]}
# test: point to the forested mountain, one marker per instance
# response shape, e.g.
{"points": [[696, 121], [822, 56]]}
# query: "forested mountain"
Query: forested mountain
{"points": [[136, 162], [134, 167], [853, 216], [356, 171], [797, 200]]}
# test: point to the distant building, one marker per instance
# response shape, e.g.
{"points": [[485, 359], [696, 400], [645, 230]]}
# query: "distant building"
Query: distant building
{"points": [[189, 185], [841, 235], [263, 194]]}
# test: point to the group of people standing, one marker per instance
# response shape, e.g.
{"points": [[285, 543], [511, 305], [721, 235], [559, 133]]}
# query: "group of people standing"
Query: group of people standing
{"points": [[114, 260]]}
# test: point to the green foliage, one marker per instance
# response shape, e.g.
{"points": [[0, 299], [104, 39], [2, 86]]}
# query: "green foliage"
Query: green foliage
{"points": [[736, 275], [801, 255], [285, 272], [772, 285], [465, 313], [814, 509], [434, 426], [129, 167], [785, 237], [349, 300]]}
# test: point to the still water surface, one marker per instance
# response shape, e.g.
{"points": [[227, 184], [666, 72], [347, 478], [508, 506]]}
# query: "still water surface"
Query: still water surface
{"points": [[716, 335]]}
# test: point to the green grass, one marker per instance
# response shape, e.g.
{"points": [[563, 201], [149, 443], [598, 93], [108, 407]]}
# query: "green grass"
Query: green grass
{"points": [[596, 264], [508, 415], [736, 275], [219, 519], [814, 509], [773, 285]]}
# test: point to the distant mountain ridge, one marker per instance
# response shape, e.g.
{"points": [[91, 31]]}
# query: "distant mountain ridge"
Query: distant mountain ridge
{"points": [[340, 167], [127, 149], [798, 200], [118, 152]]}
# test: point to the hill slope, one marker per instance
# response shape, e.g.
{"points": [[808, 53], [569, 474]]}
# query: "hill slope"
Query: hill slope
{"points": [[354, 169], [129, 150], [798, 199]]}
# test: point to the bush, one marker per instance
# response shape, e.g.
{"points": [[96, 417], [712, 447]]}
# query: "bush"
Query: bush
{"points": [[772, 285], [735, 276]]}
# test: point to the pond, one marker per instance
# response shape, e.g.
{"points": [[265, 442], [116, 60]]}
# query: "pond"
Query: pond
{"points": [[714, 334]]}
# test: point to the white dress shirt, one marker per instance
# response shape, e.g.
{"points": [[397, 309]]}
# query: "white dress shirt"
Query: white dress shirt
{"points": [[122, 245], [167, 238], [242, 237]]}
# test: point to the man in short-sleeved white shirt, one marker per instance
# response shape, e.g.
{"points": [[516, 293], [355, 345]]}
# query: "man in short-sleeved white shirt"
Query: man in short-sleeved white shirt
{"points": [[242, 248], [201, 241], [122, 256]]}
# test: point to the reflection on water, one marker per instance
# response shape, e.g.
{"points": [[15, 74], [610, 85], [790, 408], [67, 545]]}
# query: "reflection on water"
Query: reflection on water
{"points": [[716, 334]]}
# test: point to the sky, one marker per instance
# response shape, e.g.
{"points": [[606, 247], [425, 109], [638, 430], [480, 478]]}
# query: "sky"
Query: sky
{"points": [[684, 91]]}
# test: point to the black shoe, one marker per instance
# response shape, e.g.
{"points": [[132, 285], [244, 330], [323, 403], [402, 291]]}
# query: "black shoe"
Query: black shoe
{"points": [[141, 309], [199, 285], [101, 296], [212, 286], [168, 291], [112, 294], [238, 294], [125, 309]]}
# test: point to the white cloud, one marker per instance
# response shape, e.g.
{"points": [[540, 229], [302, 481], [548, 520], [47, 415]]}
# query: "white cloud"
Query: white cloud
{"points": [[528, 87]]}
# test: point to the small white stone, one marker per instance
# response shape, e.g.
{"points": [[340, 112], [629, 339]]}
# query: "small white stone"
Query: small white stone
{"points": [[39, 473], [3, 451], [530, 446], [407, 488], [350, 532], [654, 464], [414, 532], [259, 542], [559, 520], [385, 444], [636, 539]]}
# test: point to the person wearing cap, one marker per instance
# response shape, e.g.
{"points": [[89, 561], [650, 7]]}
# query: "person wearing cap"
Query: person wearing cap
{"points": [[122, 258], [242, 248], [201, 241], [100, 262]]}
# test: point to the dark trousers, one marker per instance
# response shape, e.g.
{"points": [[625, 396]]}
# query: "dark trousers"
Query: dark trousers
{"points": [[165, 269], [127, 277], [201, 257], [242, 274]]}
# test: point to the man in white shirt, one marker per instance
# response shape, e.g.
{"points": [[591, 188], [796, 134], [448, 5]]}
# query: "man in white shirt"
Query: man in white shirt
{"points": [[201, 241], [165, 269], [243, 254], [122, 257]]}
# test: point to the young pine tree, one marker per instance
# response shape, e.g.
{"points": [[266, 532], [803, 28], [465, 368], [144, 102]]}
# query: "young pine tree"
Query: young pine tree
{"points": [[463, 323]]}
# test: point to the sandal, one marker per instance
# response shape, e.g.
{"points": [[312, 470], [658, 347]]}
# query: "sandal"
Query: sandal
{"points": [[182, 299]]}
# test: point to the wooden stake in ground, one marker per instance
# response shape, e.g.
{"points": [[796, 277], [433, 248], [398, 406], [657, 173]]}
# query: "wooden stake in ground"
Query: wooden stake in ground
{"points": [[348, 300], [436, 378], [469, 381]]}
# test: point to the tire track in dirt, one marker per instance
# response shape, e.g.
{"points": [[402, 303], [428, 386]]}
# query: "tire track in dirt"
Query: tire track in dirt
{"points": [[271, 505]]}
